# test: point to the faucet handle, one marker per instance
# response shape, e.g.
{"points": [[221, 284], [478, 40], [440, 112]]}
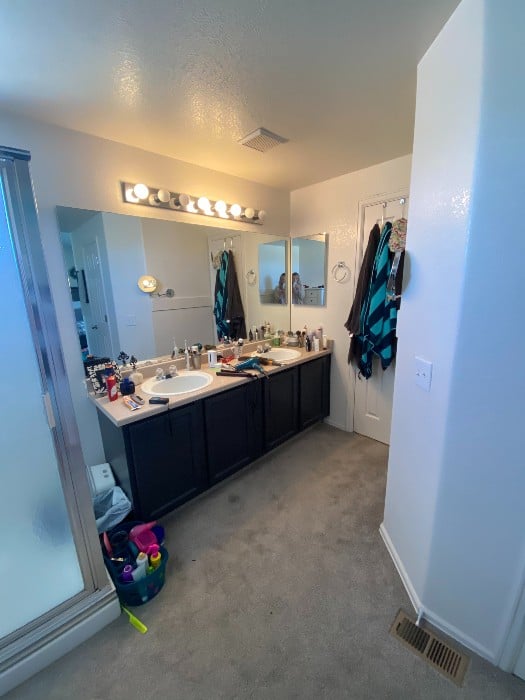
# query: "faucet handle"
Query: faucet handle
{"points": [[159, 373]]}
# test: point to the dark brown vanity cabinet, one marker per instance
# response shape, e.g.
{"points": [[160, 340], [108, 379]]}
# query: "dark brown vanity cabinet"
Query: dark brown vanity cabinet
{"points": [[169, 458], [281, 401], [233, 423], [314, 391], [159, 461]]}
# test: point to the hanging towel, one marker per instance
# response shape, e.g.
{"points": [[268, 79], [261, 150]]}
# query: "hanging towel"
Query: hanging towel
{"points": [[228, 309], [219, 307], [234, 307], [378, 315], [353, 323]]}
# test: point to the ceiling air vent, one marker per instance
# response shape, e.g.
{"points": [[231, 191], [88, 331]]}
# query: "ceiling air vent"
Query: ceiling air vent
{"points": [[262, 140]]}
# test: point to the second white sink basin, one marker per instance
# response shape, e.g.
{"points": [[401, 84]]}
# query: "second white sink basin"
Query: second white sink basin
{"points": [[183, 383], [280, 354]]}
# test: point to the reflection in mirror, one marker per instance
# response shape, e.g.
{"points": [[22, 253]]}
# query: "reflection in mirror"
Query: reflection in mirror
{"points": [[309, 256], [273, 273], [105, 254]]}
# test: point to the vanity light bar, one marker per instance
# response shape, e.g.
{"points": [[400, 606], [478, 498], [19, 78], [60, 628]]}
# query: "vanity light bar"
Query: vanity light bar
{"points": [[138, 193]]}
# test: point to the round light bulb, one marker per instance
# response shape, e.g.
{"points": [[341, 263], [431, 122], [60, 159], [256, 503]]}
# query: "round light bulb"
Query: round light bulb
{"points": [[203, 203], [130, 197], [184, 200], [221, 206], [235, 210], [152, 199], [262, 215], [164, 196], [141, 191], [249, 213]]}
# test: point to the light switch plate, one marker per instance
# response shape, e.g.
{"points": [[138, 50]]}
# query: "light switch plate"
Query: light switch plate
{"points": [[423, 373]]}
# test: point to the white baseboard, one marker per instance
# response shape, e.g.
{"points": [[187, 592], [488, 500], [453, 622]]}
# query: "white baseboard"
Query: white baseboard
{"points": [[336, 425], [435, 620], [403, 575], [106, 610]]}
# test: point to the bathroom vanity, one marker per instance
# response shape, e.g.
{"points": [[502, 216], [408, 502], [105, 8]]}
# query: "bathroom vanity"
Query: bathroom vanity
{"points": [[163, 456]]}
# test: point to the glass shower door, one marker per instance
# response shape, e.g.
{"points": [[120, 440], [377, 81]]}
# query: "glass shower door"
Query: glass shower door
{"points": [[50, 563], [38, 559]]}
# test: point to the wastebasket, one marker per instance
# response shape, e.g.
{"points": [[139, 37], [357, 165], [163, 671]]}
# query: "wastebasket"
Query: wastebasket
{"points": [[111, 507]]}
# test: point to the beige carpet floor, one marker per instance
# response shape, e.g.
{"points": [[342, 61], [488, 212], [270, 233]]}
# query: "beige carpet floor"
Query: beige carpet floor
{"points": [[278, 586]]}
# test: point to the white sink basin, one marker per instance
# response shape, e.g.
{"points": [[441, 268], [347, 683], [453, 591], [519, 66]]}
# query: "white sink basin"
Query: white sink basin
{"points": [[183, 383], [280, 354]]}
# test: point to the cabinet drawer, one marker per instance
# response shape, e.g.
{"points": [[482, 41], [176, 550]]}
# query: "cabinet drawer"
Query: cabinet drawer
{"points": [[314, 296]]}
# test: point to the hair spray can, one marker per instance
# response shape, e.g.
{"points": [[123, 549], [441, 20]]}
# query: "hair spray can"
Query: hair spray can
{"points": [[111, 386]]}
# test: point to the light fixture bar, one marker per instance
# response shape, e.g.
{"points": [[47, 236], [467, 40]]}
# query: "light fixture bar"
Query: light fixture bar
{"points": [[139, 193]]}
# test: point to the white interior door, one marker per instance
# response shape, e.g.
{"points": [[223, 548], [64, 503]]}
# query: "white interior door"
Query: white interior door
{"points": [[93, 301], [373, 396]]}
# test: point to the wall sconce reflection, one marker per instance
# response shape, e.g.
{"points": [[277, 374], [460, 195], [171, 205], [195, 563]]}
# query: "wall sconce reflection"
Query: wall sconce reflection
{"points": [[149, 284]]}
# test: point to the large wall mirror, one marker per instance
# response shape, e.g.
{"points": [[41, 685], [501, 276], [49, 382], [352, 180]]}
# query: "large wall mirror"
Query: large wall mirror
{"points": [[105, 255], [273, 275], [309, 260]]}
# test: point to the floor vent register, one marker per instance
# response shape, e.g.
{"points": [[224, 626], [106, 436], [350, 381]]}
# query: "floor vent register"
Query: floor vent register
{"points": [[439, 654]]}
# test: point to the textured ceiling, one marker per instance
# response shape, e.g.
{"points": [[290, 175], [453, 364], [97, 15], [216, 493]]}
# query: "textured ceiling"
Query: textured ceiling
{"points": [[188, 79]]}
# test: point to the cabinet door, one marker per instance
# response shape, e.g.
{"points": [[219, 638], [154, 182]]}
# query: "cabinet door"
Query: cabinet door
{"points": [[168, 460], [314, 383], [280, 403], [233, 421]]}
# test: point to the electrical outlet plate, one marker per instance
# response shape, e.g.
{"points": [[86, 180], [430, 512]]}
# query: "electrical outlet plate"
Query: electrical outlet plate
{"points": [[423, 373]]}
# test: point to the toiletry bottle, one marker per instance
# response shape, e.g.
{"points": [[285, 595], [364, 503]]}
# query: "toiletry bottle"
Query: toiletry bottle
{"points": [[127, 387], [136, 377], [127, 574], [111, 384], [187, 354], [307, 342], [155, 559], [142, 563]]}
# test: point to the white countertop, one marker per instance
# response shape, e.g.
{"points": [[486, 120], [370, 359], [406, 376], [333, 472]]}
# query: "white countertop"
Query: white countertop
{"points": [[121, 415]]}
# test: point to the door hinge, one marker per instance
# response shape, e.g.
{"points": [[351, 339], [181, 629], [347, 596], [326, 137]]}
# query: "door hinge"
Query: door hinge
{"points": [[49, 411]]}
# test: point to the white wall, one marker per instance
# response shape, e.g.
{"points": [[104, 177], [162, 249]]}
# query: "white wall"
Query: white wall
{"points": [[126, 263], [78, 170], [277, 314], [333, 207], [309, 259], [177, 255], [454, 515]]}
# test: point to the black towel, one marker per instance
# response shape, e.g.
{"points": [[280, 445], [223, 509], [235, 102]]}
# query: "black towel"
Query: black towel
{"points": [[352, 324]]}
